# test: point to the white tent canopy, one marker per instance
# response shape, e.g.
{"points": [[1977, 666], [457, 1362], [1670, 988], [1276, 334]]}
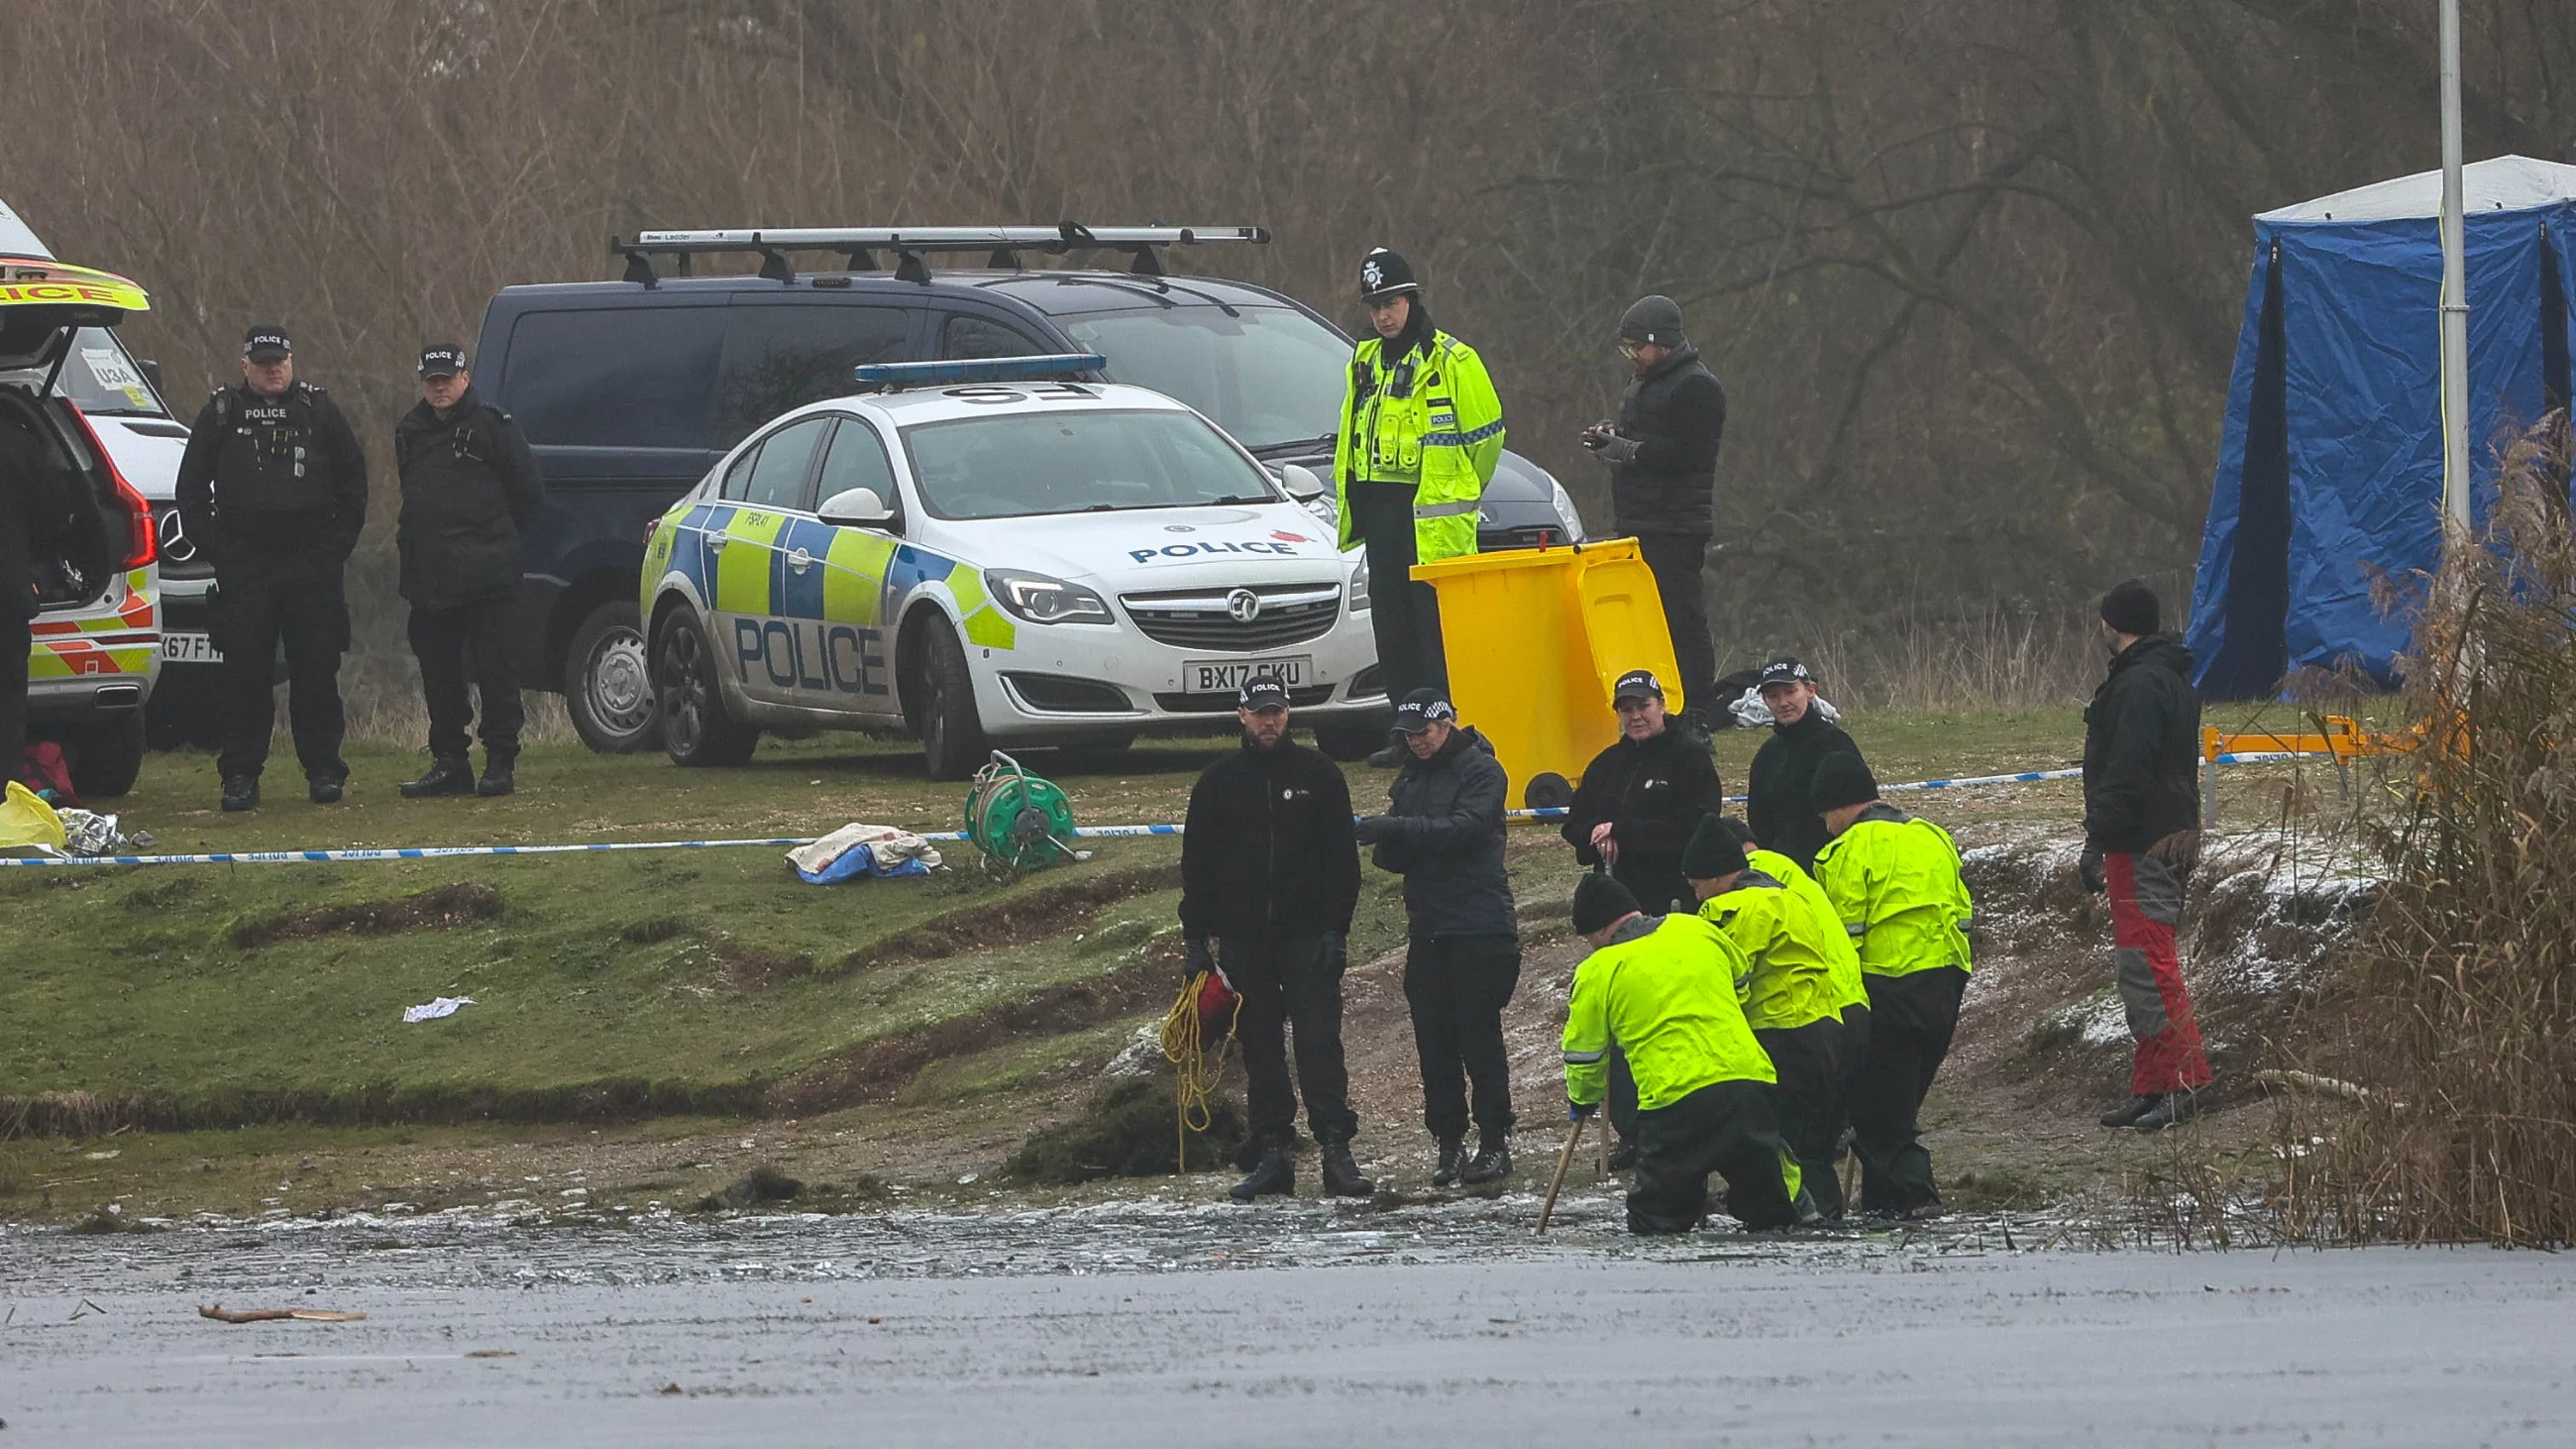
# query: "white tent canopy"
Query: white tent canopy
{"points": [[2506, 183]]}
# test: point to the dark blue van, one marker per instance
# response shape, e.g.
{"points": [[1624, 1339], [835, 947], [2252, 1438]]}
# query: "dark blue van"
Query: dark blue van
{"points": [[630, 390]]}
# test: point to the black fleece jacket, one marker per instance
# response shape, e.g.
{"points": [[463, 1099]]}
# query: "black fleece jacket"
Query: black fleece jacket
{"points": [[2142, 748], [1448, 845], [1653, 793], [1268, 849], [1776, 789]]}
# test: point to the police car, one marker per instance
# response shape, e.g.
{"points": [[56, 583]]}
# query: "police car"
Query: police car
{"points": [[984, 552]]}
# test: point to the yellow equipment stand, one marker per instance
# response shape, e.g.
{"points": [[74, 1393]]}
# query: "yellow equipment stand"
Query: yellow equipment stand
{"points": [[1535, 639]]}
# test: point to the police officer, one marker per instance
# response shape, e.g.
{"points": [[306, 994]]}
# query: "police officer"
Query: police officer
{"points": [[1421, 430], [1895, 882], [1662, 452], [470, 492], [1784, 769], [1639, 802], [1663, 987], [1270, 874], [274, 485], [31, 510], [1443, 832]]}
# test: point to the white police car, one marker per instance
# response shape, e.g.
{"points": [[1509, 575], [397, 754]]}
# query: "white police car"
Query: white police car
{"points": [[990, 551]]}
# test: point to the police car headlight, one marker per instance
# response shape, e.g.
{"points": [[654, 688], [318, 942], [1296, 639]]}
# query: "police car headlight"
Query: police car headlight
{"points": [[1360, 585], [1042, 600], [1565, 510]]}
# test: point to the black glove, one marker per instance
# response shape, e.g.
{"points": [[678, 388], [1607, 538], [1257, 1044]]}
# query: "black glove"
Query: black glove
{"points": [[1577, 1111], [1377, 829], [1196, 957], [1616, 449], [1600, 433], [2088, 868]]}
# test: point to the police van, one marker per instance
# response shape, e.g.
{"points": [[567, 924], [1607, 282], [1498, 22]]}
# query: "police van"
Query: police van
{"points": [[630, 390], [95, 644], [998, 552]]}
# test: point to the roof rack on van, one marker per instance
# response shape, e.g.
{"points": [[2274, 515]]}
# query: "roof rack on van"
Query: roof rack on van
{"points": [[911, 243]]}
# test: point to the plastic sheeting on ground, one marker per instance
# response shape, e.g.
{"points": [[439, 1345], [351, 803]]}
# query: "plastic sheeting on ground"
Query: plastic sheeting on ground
{"points": [[856, 850]]}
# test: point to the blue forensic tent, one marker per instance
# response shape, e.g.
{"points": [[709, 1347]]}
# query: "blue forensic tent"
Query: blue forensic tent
{"points": [[2330, 470]]}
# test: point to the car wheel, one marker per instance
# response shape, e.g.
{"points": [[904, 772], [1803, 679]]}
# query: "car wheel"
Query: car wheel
{"points": [[952, 734], [105, 758], [696, 729], [1349, 742], [608, 686]]}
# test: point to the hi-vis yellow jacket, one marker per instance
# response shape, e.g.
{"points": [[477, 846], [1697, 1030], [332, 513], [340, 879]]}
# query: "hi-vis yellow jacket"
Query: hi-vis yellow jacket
{"points": [[1667, 999], [1848, 990], [1895, 881], [1431, 420], [1789, 949]]}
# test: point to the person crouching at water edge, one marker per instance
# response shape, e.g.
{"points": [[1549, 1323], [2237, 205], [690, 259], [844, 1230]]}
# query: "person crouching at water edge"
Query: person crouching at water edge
{"points": [[1663, 989]]}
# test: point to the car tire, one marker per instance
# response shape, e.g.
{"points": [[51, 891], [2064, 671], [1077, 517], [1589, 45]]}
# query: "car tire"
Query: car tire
{"points": [[952, 733], [105, 758], [1347, 743], [697, 730], [608, 682]]}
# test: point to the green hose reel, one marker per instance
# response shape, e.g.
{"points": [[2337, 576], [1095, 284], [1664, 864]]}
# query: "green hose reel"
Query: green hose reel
{"points": [[1020, 821]]}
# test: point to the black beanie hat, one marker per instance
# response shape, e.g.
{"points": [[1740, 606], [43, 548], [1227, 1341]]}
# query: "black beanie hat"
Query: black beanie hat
{"points": [[1713, 851], [2131, 608], [1738, 827], [1599, 901], [1655, 319], [1841, 779]]}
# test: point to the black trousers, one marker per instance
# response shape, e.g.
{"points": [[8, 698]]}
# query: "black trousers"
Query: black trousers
{"points": [[1815, 1064], [1679, 561], [294, 599], [1729, 1128], [1911, 1018], [15, 640], [1405, 615], [463, 642], [1291, 984], [1457, 987]]}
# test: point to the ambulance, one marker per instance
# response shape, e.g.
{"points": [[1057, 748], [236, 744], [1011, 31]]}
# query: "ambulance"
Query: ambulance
{"points": [[995, 552]]}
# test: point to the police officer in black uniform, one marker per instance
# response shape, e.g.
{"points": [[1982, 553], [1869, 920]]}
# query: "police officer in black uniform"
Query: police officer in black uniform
{"points": [[31, 511], [470, 492], [1663, 456], [274, 486]]}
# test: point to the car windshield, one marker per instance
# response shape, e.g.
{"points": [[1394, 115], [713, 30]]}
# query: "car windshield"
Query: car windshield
{"points": [[1077, 462], [101, 379], [1268, 375]]}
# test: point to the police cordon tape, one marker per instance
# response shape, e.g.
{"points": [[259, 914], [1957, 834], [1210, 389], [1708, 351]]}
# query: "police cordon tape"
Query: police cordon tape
{"points": [[783, 842]]}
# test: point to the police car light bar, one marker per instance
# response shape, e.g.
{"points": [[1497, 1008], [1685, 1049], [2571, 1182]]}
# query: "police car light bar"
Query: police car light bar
{"points": [[911, 242], [1053, 367]]}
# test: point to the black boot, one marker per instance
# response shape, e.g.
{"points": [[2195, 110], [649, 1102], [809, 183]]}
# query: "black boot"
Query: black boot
{"points": [[2176, 1108], [1274, 1175], [325, 789], [496, 780], [1342, 1175], [448, 775], [1390, 758], [241, 792], [1493, 1161], [1453, 1157], [2128, 1113]]}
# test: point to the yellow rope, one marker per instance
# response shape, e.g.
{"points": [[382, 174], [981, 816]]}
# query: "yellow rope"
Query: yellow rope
{"points": [[1195, 1078]]}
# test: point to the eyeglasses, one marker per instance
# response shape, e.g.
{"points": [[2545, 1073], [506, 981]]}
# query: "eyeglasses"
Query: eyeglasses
{"points": [[1629, 350]]}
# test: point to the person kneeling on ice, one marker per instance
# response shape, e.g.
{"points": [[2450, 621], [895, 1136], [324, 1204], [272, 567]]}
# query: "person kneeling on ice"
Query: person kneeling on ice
{"points": [[1894, 879], [1790, 995], [1443, 832], [1663, 989]]}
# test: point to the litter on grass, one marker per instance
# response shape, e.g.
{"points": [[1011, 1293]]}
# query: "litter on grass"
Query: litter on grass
{"points": [[855, 850], [433, 1010]]}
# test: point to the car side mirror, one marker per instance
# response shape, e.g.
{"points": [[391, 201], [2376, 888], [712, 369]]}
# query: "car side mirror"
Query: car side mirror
{"points": [[151, 373], [1302, 482], [855, 508]]}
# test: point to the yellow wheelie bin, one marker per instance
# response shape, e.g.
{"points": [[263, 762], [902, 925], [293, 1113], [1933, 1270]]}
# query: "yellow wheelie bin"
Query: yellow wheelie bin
{"points": [[1535, 639]]}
